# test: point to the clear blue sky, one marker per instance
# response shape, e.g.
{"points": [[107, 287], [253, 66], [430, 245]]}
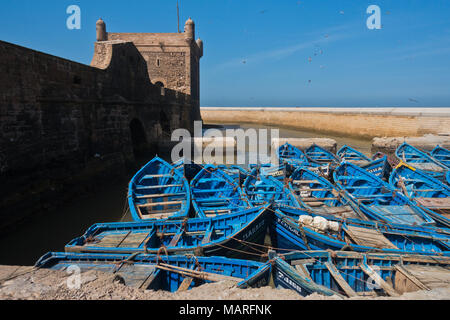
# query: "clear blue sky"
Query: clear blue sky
{"points": [[257, 52]]}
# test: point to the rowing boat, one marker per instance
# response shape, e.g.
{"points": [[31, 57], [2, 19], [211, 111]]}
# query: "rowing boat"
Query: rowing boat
{"points": [[349, 154], [288, 152], [262, 190], [214, 192], [159, 272], [238, 173], [377, 199], [317, 194], [295, 229], [320, 155], [293, 158], [379, 167], [420, 160], [427, 192], [441, 154], [224, 235], [350, 274], [158, 191]]}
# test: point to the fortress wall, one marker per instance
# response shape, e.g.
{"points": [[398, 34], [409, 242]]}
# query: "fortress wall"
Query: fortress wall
{"points": [[355, 122], [65, 125]]}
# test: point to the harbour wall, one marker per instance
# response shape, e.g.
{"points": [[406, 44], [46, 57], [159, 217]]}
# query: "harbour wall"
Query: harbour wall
{"points": [[364, 123]]}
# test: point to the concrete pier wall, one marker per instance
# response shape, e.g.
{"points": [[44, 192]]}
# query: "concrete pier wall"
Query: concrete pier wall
{"points": [[356, 122]]}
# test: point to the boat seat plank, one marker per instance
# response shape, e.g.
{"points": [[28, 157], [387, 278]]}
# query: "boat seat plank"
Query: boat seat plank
{"points": [[208, 234], [368, 237], [176, 238], [160, 195], [340, 280], [158, 186], [155, 204]]}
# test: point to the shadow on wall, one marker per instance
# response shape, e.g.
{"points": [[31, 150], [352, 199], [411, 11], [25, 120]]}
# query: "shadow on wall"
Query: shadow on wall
{"points": [[138, 138]]}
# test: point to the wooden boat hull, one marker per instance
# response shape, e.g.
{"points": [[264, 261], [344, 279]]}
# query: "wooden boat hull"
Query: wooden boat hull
{"points": [[421, 161], [442, 155], [428, 193], [379, 167], [226, 235], [158, 191], [319, 155], [168, 273], [213, 193], [350, 274], [377, 199], [263, 190], [287, 234], [349, 154], [316, 194]]}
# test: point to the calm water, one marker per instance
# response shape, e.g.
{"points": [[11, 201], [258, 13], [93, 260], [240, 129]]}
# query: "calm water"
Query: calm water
{"points": [[51, 231]]}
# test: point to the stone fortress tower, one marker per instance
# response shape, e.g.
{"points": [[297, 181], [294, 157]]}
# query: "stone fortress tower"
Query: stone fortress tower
{"points": [[173, 59]]}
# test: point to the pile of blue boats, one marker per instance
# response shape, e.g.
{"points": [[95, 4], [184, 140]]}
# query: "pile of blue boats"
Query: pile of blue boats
{"points": [[335, 224]]}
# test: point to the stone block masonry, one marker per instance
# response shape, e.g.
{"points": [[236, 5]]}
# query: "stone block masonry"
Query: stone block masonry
{"points": [[65, 124]]}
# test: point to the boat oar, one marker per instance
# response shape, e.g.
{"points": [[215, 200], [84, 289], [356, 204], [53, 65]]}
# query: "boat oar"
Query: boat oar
{"points": [[197, 274]]}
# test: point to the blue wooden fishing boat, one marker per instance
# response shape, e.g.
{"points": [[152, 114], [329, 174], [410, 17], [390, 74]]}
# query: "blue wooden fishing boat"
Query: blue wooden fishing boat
{"points": [[236, 172], [447, 177], [263, 190], [288, 152], [214, 192], [293, 229], [322, 156], [427, 192], [442, 155], [225, 235], [278, 172], [158, 191], [350, 274], [377, 199], [293, 158], [379, 167], [422, 161], [349, 154], [317, 194], [160, 272]]}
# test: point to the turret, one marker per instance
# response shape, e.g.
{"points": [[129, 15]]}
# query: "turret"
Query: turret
{"points": [[189, 30], [200, 46], [101, 30]]}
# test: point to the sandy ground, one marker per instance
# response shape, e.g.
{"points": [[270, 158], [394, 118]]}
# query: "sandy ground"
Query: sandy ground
{"points": [[24, 283]]}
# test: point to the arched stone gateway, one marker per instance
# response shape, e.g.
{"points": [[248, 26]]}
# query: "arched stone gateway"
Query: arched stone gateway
{"points": [[138, 138]]}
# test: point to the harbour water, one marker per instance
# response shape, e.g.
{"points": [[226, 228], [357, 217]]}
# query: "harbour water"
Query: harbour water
{"points": [[51, 231]]}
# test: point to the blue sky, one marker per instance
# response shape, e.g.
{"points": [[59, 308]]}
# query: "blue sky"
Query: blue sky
{"points": [[257, 53]]}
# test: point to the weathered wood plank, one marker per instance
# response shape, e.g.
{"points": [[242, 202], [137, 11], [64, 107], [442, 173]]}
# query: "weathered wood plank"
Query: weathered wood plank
{"points": [[378, 280], [340, 280]]}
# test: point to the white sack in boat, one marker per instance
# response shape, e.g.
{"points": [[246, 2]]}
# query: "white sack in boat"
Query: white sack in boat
{"points": [[333, 226], [320, 224], [305, 220]]}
